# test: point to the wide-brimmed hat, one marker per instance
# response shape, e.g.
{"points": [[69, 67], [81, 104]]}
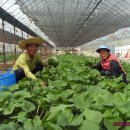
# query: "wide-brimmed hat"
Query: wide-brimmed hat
{"points": [[103, 47], [34, 40]]}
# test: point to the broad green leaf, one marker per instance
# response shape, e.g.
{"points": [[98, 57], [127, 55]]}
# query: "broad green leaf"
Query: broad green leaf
{"points": [[20, 95], [127, 87], [66, 93], [77, 120], [125, 108], [127, 128], [108, 113], [93, 116], [36, 121], [37, 91], [82, 101], [127, 125], [28, 106], [116, 114], [108, 100], [75, 78], [122, 110], [13, 126], [19, 104], [88, 125], [10, 126], [109, 123], [21, 128], [1, 109], [65, 117], [61, 107], [97, 106], [52, 115], [21, 117], [53, 96], [51, 126], [22, 114], [28, 124], [4, 95], [14, 87], [8, 108], [118, 79], [76, 86], [60, 84], [94, 73], [38, 128], [4, 127], [54, 111], [119, 98]]}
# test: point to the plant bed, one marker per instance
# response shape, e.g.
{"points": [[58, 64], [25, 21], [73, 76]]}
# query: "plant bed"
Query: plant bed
{"points": [[77, 98]]}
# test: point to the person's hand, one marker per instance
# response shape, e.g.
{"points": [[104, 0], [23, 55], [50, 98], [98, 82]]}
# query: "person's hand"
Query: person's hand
{"points": [[102, 73], [94, 66], [105, 73], [45, 65], [44, 84]]}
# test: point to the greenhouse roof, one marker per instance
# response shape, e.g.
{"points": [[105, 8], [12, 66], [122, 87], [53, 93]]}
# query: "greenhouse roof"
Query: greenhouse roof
{"points": [[10, 19], [76, 22]]}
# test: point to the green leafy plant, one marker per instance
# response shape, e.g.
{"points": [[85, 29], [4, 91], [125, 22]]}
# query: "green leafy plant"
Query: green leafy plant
{"points": [[77, 98]]}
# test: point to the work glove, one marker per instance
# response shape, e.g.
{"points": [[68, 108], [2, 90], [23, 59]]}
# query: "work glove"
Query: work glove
{"points": [[105, 73]]}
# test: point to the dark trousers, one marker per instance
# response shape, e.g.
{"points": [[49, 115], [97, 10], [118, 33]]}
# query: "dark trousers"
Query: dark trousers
{"points": [[21, 74]]}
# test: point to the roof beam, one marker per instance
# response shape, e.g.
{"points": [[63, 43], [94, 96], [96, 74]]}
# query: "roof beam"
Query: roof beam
{"points": [[13, 21]]}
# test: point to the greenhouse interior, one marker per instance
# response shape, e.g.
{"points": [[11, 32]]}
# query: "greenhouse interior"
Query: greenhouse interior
{"points": [[65, 65]]}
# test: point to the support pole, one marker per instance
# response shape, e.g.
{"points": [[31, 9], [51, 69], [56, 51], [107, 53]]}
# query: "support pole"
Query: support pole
{"points": [[14, 43], [3, 41], [22, 38]]}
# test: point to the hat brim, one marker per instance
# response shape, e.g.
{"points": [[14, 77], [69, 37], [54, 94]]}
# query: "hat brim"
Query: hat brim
{"points": [[34, 40], [98, 50]]}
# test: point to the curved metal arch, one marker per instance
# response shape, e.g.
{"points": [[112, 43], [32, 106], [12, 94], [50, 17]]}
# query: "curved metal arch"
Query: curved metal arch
{"points": [[97, 31], [54, 8], [65, 18], [10, 19]]}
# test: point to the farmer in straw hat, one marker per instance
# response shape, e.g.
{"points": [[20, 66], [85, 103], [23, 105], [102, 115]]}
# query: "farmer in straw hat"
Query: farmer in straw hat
{"points": [[29, 62]]}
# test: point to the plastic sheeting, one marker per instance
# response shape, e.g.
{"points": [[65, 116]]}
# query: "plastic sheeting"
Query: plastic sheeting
{"points": [[76, 22]]}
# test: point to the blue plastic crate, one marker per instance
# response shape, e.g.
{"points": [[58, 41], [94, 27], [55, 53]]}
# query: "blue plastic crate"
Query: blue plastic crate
{"points": [[7, 79]]}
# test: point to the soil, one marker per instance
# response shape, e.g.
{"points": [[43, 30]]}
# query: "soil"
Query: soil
{"points": [[6, 65]]}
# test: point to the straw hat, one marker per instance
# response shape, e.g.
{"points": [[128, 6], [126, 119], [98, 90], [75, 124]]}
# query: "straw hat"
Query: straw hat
{"points": [[34, 40]]}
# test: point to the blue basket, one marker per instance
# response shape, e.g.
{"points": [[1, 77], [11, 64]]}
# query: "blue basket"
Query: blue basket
{"points": [[7, 79]]}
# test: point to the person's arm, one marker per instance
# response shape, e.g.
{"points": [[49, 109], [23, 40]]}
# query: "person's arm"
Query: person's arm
{"points": [[102, 72], [115, 68], [98, 67], [26, 69], [117, 71]]}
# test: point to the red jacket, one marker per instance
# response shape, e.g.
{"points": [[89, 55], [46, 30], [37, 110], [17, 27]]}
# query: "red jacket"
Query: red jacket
{"points": [[106, 63]]}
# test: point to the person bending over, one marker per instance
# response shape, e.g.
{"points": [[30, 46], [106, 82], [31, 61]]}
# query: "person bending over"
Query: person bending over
{"points": [[29, 62], [109, 64]]}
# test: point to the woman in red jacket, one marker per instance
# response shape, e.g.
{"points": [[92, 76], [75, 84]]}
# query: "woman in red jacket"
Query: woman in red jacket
{"points": [[109, 64]]}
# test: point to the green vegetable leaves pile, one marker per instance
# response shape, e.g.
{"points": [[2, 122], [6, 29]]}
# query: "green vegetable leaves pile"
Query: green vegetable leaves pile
{"points": [[77, 98]]}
